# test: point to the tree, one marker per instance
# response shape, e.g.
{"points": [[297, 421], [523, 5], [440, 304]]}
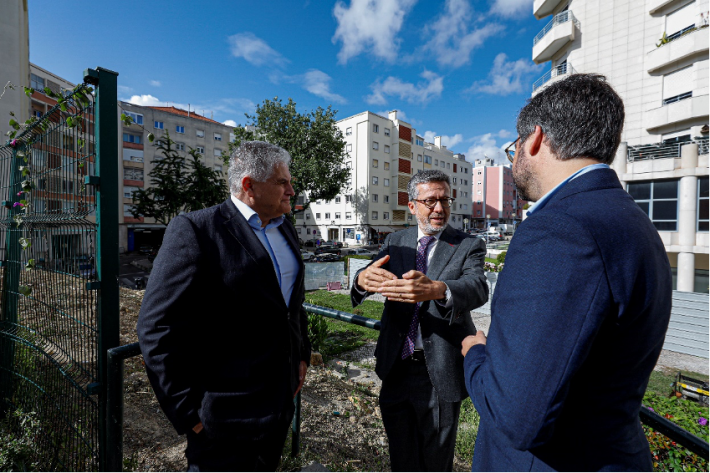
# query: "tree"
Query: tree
{"points": [[313, 140], [174, 188]]}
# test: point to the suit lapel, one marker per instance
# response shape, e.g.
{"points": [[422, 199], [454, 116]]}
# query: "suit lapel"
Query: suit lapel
{"points": [[443, 252], [406, 257]]}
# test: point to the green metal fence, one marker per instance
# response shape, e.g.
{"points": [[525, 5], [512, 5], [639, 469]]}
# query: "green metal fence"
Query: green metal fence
{"points": [[58, 269]]}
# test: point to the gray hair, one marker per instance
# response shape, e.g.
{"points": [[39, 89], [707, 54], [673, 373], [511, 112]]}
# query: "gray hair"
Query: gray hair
{"points": [[256, 159], [581, 116], [422, 177]]}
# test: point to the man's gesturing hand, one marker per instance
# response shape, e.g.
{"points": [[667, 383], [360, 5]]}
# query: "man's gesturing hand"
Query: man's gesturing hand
{"points": [[413, 287], [373, 276], [471, 340]]}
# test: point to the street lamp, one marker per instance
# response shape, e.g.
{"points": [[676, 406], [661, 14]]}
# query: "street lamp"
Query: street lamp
{"points": [[465, 224]]}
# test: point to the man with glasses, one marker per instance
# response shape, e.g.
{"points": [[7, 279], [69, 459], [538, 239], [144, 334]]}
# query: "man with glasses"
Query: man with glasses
{"points": [[579, 316], [432, 277]]}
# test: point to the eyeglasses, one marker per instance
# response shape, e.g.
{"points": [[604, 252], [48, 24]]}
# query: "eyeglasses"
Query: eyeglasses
{"points": [[446, 202], [510, 153]]}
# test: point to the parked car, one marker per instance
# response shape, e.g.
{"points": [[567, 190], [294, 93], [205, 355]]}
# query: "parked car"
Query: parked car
{"points": [[337, 244], [306, 255], [362, 252], [326, 258], [310, 244], [328, 249]]}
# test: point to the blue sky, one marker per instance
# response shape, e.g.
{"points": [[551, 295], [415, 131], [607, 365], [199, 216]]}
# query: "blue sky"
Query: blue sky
{"points": [[456, 68]]}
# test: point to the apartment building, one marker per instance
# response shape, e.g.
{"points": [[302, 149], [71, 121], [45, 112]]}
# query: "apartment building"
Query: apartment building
{"points": [[188, 130], [383, 154], [15, 60], [655, 54], [495, 197]]}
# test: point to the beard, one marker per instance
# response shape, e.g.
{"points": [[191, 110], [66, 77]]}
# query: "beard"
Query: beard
{"points": [[524, 179], [427, 226]]}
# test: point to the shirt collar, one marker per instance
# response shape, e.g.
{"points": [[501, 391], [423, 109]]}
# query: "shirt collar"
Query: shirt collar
{"points": [[420, 234], [546, 198], [252, 217]]}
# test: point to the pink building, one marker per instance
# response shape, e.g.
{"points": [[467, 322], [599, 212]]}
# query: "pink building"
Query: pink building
{"points": [[495, 198]]}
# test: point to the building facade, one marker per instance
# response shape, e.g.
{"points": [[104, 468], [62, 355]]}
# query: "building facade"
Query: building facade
{"points": [[188, 130], [15, 61], [383, 154], [655, 54], [495, 197]]}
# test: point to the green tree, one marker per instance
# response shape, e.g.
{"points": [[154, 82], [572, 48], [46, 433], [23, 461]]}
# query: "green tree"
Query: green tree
{"points": [[177, 185], [313, 139]]}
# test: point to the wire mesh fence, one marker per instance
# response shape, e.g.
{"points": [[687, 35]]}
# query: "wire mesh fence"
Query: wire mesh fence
{"points": [[49, 344]]}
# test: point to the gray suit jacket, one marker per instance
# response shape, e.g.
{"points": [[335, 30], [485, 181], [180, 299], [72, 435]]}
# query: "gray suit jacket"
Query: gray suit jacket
{"points": [[457, 261]]}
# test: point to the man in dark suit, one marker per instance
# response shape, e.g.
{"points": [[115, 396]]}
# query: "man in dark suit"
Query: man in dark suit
{"points": [[432, 277], [222, 328], [581, 309]]}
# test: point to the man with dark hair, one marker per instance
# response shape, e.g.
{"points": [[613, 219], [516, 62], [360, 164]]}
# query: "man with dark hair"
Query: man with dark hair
{"points": [[432, 277], [580, 312], [222, 328]]}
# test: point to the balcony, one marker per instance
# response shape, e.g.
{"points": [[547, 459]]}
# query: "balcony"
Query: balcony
{"points": [[553, 75], [691, 108], [542, 8], [692, 43], [556, 34]]}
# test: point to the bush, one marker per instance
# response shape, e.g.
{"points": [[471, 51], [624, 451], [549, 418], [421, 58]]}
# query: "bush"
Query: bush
{"points": [[18, 437], [667, 455], [501, 257], [317, 331]]}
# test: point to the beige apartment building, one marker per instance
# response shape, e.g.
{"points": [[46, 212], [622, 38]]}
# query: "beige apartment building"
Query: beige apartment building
{"points": [[655, 54], [383, 154]]}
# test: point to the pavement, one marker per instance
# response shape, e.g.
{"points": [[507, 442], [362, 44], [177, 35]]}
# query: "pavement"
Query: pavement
{"points": [[131, 266]]}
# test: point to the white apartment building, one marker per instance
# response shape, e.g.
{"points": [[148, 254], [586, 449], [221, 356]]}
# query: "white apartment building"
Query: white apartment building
{"points": [[384, 153], [655, 54]]}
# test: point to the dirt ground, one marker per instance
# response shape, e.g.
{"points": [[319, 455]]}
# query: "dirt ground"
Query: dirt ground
{"points": [[341, 426]]}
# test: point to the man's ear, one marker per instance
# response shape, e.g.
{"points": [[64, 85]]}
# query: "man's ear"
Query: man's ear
{"points": [[411, 205], [535, 141], [247, 185]]}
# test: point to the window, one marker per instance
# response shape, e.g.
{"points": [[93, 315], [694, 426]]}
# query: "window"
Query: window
{"points": [[387, 149], [337, 215], [375, 163], [200, 133], [385, 215], [659, 199], [179, 146], [37, 113], [179, 129], [129, 138], [37, 82], [200, 149], [327, 215], [387, 132], [218, 136], [387, 182], [375, 145], [420, 141], [374, 215], [374, 197], [374, 180], [133, 174], [298, 229], [678, 85], [349, 164], [217, 152], [455, 181], [448, 165], [128, 191], [419, 158], [680, 21], [436, 162], [386, 199], [308, 216], [702, 204], [317, 215], [375, 128], [349, 148], [348, 215], [465, 170], [337, 199], [218, 167], [348, 131], [136, 117], [348, 199], [427, 159], [387, 165], [159, 125]]}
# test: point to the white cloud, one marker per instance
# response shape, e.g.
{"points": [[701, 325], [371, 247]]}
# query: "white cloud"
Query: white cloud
{"points": [[506, 77], [124, 89], [231, 123], [228, 106], [451, 41], [146, 101], [401, 116], [504, 134], [423, 92], [485, 146], [155, 83], [255, 50], [371, 25], [318, 83], [511, 8], [448, 141]]}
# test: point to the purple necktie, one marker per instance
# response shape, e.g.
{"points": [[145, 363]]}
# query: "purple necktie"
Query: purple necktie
{"points": [[421, 266]]}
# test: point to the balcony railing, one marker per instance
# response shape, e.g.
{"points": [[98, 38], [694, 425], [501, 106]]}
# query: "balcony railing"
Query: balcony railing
{"points": [[562, 17], [663, 150], [560, 70]]}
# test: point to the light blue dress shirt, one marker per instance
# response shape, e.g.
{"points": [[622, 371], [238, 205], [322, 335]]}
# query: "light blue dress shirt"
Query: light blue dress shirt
{"points": [[546, 198], [274, 242]]}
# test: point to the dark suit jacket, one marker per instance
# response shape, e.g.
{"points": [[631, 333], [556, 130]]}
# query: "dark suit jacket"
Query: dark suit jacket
{"points": [[220, 344], [578, 320], [458, 261]]}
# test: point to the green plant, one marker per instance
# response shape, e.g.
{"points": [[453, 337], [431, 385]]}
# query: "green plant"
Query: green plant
{"points": [[19, 434], [317, 331], [501, 257], [468, 429], [664, 40]]}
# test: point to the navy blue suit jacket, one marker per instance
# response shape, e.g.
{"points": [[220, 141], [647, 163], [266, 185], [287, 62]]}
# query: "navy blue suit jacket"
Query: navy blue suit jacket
{"points": [[220, 344], [578, 320]]}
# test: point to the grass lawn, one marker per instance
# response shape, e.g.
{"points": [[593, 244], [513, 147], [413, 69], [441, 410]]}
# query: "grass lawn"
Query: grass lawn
{"points": [[660, 382]]}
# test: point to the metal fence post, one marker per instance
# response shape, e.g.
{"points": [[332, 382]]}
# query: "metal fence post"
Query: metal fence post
{"points": [[106, 119], [296, 428]]}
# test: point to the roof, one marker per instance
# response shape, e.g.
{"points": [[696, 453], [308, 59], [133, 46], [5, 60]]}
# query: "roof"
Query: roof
{"points": [[184, 113]]}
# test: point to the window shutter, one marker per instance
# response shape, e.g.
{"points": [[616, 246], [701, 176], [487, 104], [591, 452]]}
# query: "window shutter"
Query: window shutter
{"points": [[678, 82], [680, 19]]}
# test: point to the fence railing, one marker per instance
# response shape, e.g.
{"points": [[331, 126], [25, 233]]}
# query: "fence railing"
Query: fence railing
{"points": [[562, 17], [560, 70], [663, 150]]}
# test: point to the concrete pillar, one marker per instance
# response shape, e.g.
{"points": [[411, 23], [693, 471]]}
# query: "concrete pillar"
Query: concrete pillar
{"points": [[687, 219], [619, 164]]}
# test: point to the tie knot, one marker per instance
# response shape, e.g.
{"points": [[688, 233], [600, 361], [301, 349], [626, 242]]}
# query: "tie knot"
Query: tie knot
{"points": [[425, 241]]}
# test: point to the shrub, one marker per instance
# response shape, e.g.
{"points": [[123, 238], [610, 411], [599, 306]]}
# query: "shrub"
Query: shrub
{"points": [[501, 257], [317, 331], [18, 437]]}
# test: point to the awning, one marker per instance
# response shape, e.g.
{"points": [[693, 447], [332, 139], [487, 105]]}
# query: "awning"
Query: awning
{"points": [[383, 229]]}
